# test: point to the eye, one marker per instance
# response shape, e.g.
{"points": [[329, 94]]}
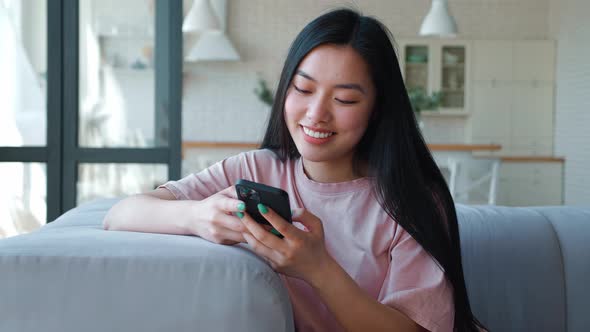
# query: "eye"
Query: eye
{"points": [[301, 90], [346, 102]]}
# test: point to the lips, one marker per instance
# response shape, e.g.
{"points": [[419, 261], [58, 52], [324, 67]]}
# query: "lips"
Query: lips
{"points": [[317, 133], [316, 136]]}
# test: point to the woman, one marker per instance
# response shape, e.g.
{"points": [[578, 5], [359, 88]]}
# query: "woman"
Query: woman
{"points": [[376, 246]]}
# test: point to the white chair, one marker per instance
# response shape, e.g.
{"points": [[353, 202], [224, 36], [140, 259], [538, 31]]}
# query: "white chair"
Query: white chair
{"points": [[473, 180]]}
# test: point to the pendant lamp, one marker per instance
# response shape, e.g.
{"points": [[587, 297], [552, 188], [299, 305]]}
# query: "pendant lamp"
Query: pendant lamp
{"points": [[204, 27], [438, 21], [212, 46], [201, 17]]}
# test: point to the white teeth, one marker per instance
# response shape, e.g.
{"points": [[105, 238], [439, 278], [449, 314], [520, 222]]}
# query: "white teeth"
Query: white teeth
{"points": [[316, 134]]}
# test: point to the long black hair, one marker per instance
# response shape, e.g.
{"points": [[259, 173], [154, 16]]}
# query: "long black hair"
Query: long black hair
{"points": [[407, 181]]}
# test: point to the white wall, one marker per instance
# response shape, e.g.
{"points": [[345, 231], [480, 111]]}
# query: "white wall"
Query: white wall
{"points": [[262, 30], [572, 136]]}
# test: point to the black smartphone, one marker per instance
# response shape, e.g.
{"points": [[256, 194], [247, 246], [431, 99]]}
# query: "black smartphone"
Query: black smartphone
{"points": [[253, 193]]}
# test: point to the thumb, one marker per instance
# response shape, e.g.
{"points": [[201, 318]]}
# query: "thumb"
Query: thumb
{"points": [[308, 219]]}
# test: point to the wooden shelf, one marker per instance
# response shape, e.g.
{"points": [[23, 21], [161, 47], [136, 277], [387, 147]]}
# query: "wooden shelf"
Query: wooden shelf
{"points": [[464, 147], [443, 113], [532, 159], [526, 159]]}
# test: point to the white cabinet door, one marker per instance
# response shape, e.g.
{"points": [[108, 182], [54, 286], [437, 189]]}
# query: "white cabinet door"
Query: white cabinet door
{"points": [[531, 119], [526, 69], [528, 184], [532, 112], [534, 61], [492, 60], [491, 109]]}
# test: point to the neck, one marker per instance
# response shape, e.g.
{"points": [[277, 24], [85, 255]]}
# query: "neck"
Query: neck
{"points": [[330, 172]]}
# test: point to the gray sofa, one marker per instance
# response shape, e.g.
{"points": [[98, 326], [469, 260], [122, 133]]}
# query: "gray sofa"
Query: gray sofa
{"points": [[526, 270]]}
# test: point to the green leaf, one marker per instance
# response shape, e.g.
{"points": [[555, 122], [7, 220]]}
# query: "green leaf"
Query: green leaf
{"points": [[421, 101], [263, 92]]}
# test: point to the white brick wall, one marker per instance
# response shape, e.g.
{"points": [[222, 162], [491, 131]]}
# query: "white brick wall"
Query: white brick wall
{"points": [[572, 136]]}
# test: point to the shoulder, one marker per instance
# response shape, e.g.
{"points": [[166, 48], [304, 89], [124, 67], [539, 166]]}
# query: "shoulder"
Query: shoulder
{"points": [[261, 155], [263, 165], [263, 158], [252, 158]]}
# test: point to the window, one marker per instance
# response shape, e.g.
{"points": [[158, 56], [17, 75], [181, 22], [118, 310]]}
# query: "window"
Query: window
{"points": [[94, 103]]}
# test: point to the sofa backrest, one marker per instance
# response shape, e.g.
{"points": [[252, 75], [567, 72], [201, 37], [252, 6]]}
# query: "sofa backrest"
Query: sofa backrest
{"points": [[525, 268]]}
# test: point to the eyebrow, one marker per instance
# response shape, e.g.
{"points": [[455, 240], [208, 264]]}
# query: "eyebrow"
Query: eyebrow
{"points": [[352, 86]]}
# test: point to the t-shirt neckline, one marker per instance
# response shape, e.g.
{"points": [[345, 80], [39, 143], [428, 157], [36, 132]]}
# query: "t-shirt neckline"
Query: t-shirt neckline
{"points": [[329, 188]]}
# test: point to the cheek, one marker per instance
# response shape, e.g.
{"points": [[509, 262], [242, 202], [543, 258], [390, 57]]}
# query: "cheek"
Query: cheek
{"points": [[292, 107], [356, 121]]}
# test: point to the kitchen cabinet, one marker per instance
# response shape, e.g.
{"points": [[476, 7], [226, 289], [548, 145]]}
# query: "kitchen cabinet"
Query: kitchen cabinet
{"points": [[534, 60], [438, 66], [513, 96], [492, 61], [530, 183]]}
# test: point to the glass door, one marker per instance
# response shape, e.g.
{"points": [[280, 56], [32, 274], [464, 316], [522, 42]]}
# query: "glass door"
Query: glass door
{"points": [[127, 121], [416, 68], [453, 77], [91, 103], [116, 105]]}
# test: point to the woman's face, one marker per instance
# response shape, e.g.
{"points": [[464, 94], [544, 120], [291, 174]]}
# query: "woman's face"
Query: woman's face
{"points": [[329, 103]]}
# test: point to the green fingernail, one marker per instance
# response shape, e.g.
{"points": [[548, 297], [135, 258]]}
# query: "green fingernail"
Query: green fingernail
{"points": [[275, 232], [262, 208], [241, 207], [240, 215]]}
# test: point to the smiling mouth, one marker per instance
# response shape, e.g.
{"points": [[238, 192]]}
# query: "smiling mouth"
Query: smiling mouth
{"points": [[317, 134]]}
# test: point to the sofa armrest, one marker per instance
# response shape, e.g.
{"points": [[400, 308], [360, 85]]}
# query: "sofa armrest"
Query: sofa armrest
{"points": [[71, 275]]}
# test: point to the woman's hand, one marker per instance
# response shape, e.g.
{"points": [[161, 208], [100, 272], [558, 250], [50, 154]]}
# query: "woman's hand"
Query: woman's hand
{"points": [[215, 221], [299, 254]]}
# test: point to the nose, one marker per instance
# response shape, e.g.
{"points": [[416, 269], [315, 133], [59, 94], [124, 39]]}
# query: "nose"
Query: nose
{"points": [[319, 110]]}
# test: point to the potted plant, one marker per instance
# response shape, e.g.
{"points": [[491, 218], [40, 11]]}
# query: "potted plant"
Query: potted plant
{"points": [[421, 101], [263, 92]]}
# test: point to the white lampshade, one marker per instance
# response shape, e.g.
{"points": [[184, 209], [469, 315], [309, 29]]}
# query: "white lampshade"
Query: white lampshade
{"points": [[201, 17], [212, 45], [438, 21]]}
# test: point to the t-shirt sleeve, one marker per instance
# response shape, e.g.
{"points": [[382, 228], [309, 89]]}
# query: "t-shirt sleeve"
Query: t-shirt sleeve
{"points": [[416, 285], [198, 186]]}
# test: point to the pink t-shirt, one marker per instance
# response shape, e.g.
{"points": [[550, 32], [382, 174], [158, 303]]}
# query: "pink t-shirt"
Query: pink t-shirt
{"points": [[383, 259]]}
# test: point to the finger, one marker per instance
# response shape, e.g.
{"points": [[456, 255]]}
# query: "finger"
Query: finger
{"points": [[308, 219], [228, 204], [230, 222], [222, 235], [259, 248], [261, 234], [280, 224], [236, 237]]}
